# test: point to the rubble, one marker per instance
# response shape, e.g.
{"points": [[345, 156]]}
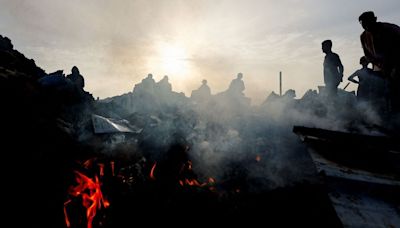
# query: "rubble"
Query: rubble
{"points": [[245, 163]]}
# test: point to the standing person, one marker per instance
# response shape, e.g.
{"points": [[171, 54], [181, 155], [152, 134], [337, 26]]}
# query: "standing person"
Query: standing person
{"points": [[365, 81], [381, 45], [333, 69]]}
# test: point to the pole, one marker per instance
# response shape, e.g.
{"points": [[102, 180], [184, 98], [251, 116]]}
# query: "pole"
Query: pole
{"points": [[346, 86], [280, 83]]}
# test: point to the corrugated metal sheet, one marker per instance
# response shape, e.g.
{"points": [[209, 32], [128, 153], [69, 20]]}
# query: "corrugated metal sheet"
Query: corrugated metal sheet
{"points": [[105, 125]]}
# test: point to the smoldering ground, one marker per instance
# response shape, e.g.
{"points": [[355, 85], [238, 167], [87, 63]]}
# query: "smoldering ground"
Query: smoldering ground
{"points": [[227, 138]]}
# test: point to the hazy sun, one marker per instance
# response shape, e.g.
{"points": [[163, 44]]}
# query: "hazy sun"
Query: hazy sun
{"points": [[173, 59]]}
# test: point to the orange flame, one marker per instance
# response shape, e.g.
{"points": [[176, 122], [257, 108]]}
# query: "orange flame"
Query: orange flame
{"points": [[112, 163], [191, 182], [66, 214], [152, 171], [101, 166], [88, 163], [258, 158], [195, 182], [92, 197]]}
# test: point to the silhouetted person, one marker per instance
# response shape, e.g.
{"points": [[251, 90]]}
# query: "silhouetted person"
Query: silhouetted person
{"points": [[333, 69], [204, 88], [366, 77], [381, 44], [237, 85], [146, 86], [290, 94], [164, 86], [203, 93], [76, 78]]}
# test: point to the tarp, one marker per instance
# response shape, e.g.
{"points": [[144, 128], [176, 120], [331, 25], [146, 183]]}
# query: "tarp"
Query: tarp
{"points": [[106, 125]]}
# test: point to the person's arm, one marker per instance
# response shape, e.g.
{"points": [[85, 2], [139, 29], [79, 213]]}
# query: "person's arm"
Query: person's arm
{"points": [[351, 77], [340, 67]]}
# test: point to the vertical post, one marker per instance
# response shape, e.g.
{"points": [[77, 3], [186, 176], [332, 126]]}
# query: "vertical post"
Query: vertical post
{"points": [[280, 83]]}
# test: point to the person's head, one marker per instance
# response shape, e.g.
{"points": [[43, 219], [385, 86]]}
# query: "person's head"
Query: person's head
{"points": [[75, 70], [165, 77], [149, 76], [240, 75], [367, 20], [204, 82], [364, 61], [290, 93], [326, 46]]}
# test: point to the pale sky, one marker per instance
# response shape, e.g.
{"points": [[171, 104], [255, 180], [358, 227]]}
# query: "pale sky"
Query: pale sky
{"points": [[115, 44]]}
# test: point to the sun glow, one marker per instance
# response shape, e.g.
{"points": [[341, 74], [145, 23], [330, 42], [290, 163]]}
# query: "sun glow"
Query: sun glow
{"points": [[173, 59]]}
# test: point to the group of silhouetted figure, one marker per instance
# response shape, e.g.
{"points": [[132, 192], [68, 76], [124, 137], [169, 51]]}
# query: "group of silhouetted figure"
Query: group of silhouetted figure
{"points": [[149, 88], [379, 85]]}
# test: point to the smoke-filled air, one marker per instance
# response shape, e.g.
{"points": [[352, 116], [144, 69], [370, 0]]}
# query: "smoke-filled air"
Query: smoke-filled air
{"points": [[120, 113]]}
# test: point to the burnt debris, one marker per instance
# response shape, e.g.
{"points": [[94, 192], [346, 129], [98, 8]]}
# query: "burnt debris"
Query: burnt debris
{"points": [[157, 154]]}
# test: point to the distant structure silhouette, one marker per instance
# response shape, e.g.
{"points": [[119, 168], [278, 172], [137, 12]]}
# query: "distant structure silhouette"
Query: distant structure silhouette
{"points": [[381, 44], [333, 69], [366, 78]]}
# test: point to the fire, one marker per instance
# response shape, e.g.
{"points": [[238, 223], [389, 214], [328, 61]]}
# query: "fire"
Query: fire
{"points": [[66, 214], [187, 167], [92, 197], [185, 171], [101, 166], [152, 171], [195, 182], [191, 182], [258, 158], [112, 163]]}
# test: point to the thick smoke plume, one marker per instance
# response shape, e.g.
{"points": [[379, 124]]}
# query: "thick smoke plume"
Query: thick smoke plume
{"points": [[227, 137]]}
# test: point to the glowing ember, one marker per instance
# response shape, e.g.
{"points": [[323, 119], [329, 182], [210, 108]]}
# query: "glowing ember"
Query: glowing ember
{"points": [[211, 180], [92, 197], [101, 166], [112, 163], [65, 213], [191, 182], [152, 171], [88, 164]]}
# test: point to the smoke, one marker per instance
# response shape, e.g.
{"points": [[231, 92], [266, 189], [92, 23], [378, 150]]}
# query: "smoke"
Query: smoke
{"points": [[228, 139]]}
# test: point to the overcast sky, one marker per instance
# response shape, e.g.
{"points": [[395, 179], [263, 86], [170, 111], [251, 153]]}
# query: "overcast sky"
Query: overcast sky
{"points": [[115, 44]]}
